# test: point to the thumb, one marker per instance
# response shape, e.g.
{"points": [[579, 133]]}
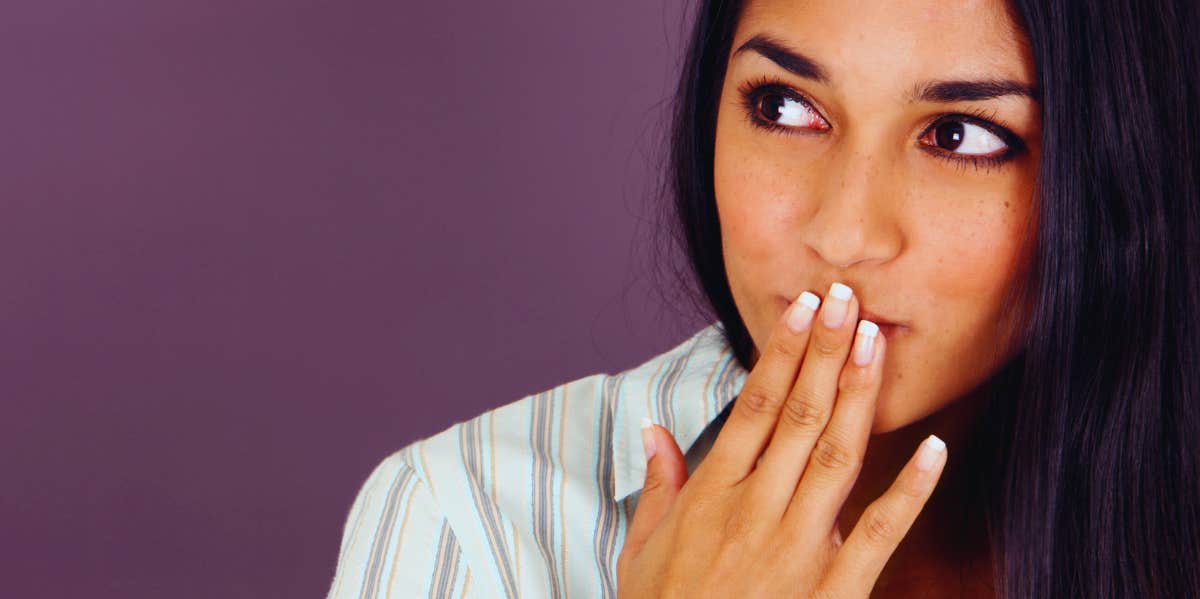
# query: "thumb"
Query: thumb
{"points": [[665, 474]]}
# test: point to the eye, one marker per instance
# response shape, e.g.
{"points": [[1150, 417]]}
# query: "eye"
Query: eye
{"points": [[962, 137], [975, 138], [971, 140], [788, 112], [776, 107]]}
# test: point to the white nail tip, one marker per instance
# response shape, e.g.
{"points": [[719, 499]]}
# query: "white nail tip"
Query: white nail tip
{"points": [[811, 300], [647, 423], [840, 291], [927, 454], [867, 328]]}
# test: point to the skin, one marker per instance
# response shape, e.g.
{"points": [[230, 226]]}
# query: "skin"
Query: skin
{"points": [[920, 240], [851, 196]]}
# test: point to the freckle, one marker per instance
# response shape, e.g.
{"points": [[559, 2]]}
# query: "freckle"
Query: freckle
{"points": [[1006, 203]]}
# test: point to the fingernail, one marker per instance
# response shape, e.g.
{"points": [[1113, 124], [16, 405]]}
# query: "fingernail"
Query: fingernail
{"points": [[927, 455], [837, 303], [648, 437], [864, 344], [801, 314]]}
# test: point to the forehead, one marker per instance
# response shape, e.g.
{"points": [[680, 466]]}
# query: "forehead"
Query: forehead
{"points": [[894, 42]]}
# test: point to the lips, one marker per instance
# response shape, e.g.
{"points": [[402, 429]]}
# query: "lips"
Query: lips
{"points": [[866, 314], [889, 328]]}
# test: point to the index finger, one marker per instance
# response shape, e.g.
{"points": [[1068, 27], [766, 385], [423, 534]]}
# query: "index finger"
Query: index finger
{"points": [[756, 409]]}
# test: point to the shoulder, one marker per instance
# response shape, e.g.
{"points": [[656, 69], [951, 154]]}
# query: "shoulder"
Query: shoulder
{"points": [[570, 431], [394, 520], [465, 494], [520, 487], [504, 442]]}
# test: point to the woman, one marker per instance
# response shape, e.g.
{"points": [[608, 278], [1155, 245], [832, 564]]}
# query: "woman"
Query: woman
{"points": [[970, 223]]}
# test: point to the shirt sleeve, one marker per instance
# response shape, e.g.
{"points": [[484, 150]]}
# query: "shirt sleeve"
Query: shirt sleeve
{"points": [[397, 543]]}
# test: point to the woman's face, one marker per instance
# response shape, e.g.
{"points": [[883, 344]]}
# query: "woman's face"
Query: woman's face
{"points": [[868, 181]]}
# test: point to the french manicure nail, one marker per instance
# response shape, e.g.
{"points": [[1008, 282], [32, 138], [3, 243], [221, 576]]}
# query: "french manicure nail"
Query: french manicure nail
{"points": [[801, 314], [836, 305], [864, 345], [927, 455], [648, 437]]}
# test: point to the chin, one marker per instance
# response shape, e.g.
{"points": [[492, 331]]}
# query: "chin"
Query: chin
{"points": [[887, 422], [892, 412]]}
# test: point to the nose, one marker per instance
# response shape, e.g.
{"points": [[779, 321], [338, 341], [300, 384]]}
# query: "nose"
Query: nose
{"points": [[852, 210]]}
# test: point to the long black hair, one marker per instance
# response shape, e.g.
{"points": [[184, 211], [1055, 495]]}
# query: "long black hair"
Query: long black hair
{"points": [[1094, 430]]}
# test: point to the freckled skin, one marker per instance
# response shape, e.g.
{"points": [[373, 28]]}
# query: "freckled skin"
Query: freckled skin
{"points": [[928, 243], [921, 240]]}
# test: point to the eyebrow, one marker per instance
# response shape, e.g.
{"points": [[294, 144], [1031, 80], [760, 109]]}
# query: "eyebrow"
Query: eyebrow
{"points": [[800, 65]]}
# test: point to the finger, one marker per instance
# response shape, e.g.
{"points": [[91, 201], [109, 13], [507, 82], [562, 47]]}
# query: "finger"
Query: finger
{"points": [[885, 523], [756, 409], [666, 472], [810, 402], [837, 455]]}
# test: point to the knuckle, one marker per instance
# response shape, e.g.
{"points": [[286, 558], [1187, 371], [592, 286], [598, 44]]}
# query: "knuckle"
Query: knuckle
{"points": [[833, 455], [826, 346], [912, 491], [757, 401], [739, 527], [803, 411], [784, 351], [878, 526], [855, 380], [655, 482]]}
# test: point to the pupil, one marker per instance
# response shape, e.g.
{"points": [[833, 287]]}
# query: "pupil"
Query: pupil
{"points": [[772, 106], [949, 135]]}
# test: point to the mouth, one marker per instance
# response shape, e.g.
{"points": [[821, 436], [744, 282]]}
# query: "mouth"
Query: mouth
{"points": [[890, 329]]}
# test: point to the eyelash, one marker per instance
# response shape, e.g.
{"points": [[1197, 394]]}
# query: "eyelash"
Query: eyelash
{"points": [[752, 91]]}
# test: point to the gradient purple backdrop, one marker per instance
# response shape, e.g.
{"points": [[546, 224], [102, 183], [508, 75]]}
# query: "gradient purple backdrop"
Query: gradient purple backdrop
{"points": [[251, 248]]}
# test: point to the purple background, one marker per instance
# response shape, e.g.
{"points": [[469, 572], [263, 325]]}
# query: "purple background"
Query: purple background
{"points": [[251, 248]]}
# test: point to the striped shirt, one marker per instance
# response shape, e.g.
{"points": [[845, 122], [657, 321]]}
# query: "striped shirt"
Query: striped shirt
{"points": [[531, 499]]}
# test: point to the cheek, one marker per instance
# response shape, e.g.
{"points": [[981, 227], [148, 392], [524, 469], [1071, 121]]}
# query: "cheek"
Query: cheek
{"points": [[966, 250], [962, 264], [757, 212], [755, 179], [959, 257]]}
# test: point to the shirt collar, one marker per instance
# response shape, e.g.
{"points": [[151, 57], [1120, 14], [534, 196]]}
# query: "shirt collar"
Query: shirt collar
{"points": [[682, 390]]}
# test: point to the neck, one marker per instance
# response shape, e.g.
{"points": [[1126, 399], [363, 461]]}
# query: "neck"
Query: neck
{"points": [[946, 540]]}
